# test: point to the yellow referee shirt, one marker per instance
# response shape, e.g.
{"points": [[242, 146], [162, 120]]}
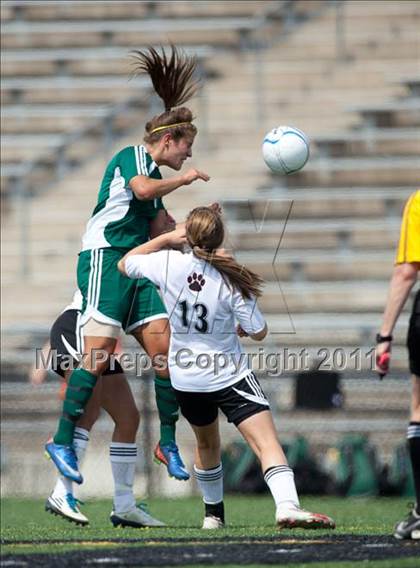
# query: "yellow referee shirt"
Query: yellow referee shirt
{"points": [[409, 244]]}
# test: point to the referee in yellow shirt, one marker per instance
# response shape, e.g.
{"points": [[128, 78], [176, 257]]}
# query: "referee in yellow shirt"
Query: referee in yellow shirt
{"points": [[404, 277]]}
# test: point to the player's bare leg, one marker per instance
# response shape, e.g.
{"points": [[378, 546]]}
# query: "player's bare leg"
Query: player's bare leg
{"points": [[259, 432], [117, 399], [154, 337], [415, 399], [207, 451]]}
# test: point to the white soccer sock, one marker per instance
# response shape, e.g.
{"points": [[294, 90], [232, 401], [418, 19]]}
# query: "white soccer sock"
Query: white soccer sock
{"points": [[80, 442], [64, 485], [123, 458], [210, 482], [281, 482]]}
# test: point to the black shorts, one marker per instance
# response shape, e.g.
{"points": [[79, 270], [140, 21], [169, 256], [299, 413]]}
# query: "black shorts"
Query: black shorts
{"points": [[413, 337], [66, 340], [238, 402]]}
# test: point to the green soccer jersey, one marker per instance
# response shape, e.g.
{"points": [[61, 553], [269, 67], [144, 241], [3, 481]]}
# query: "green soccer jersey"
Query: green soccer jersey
{"points": [[120, 220]]}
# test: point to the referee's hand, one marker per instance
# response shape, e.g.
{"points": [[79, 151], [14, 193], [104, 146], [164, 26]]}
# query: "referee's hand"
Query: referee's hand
{"points": [[383, 358]]}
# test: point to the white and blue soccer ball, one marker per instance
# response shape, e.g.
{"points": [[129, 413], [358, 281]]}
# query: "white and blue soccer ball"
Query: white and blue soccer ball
{"points": [[285, 149]]}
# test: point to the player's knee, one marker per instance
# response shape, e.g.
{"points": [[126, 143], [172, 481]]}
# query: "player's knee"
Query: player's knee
{"points": [[160, 368], [158, 351], [265, 444], [128, 423]]}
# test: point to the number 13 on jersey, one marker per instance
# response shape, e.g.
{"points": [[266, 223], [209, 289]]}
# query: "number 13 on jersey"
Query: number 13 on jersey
{"points": [[197, 311]]}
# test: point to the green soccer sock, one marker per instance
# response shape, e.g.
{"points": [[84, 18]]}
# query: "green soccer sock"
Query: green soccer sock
{"points": [[79, 391], [168, 409]]}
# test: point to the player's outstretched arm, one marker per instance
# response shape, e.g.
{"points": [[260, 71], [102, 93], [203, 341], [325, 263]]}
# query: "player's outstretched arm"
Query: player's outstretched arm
{"points": [[173, 239], [148, 188]]}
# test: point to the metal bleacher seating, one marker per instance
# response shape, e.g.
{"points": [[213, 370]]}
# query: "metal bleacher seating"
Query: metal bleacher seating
{"points": [[350, 149]]}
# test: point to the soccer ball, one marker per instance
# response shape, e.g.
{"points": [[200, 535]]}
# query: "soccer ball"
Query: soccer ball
{"points": [[285, 149]]}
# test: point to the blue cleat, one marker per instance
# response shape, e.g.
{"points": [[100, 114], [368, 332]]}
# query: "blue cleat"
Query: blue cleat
{"points": [[169, 456], [65, 459]]}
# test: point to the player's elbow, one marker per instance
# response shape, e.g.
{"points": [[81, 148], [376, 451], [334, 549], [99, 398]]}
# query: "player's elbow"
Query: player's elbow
{"points": [[121, 266], [260, 335], [143, 193], [406, 273], [142, 188]]}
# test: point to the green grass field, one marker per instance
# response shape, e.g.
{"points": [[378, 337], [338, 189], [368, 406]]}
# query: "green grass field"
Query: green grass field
{"points": [[27, 529]]}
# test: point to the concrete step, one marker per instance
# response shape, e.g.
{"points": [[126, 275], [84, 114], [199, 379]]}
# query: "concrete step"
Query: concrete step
{"points": [[338, 296], [55, 268], [394, 114], [342, 297], [59, 90], [386, 171], [371, 9], [42, 11], [344, 234], [370, 142], [348, 203], [62, 33], [285, 267], [335, 329]]}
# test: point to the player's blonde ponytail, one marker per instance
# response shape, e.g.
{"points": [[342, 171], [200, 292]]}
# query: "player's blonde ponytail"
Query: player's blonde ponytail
{"points": [[172, 79], [205, 234]]}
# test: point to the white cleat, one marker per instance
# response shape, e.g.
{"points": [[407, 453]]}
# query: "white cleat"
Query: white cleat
{"points": [[210, 523], [409, 528], [137, 517], [299, 518], [66, 507]]}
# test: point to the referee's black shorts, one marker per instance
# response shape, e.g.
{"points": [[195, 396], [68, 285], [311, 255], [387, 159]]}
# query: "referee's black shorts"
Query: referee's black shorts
{"points": [[413, 337], [238, 402], [67, 343]]}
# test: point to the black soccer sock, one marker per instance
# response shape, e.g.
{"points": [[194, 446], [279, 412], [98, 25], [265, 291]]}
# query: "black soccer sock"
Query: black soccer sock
{"points": [[216, 510], [210, 483], [413, 436]]}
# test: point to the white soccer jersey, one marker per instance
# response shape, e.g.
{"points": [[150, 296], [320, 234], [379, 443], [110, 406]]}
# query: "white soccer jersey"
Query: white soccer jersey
{"points": [[205, 354]]}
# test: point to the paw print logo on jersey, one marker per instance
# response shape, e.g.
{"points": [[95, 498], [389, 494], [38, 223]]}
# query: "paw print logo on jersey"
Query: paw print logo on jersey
{"points": [[196, 282]]}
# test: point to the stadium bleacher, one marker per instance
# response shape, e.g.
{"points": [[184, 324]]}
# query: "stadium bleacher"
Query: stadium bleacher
{"points": [[358, 101]]}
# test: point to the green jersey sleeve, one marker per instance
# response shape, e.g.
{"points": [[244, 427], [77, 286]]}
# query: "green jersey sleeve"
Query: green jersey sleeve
{"points": [[131, 163]]}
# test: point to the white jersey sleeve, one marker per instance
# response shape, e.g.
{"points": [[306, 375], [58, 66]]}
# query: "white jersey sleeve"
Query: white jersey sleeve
{"points": [[247, 313], [152, 266]]}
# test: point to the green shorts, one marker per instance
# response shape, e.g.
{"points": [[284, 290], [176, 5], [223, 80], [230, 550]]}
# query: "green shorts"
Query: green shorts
{"points": [[112, 298]]}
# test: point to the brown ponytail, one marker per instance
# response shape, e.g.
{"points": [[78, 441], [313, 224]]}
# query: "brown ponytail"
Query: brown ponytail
{"points": [[205, 234], [172, 79]]}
